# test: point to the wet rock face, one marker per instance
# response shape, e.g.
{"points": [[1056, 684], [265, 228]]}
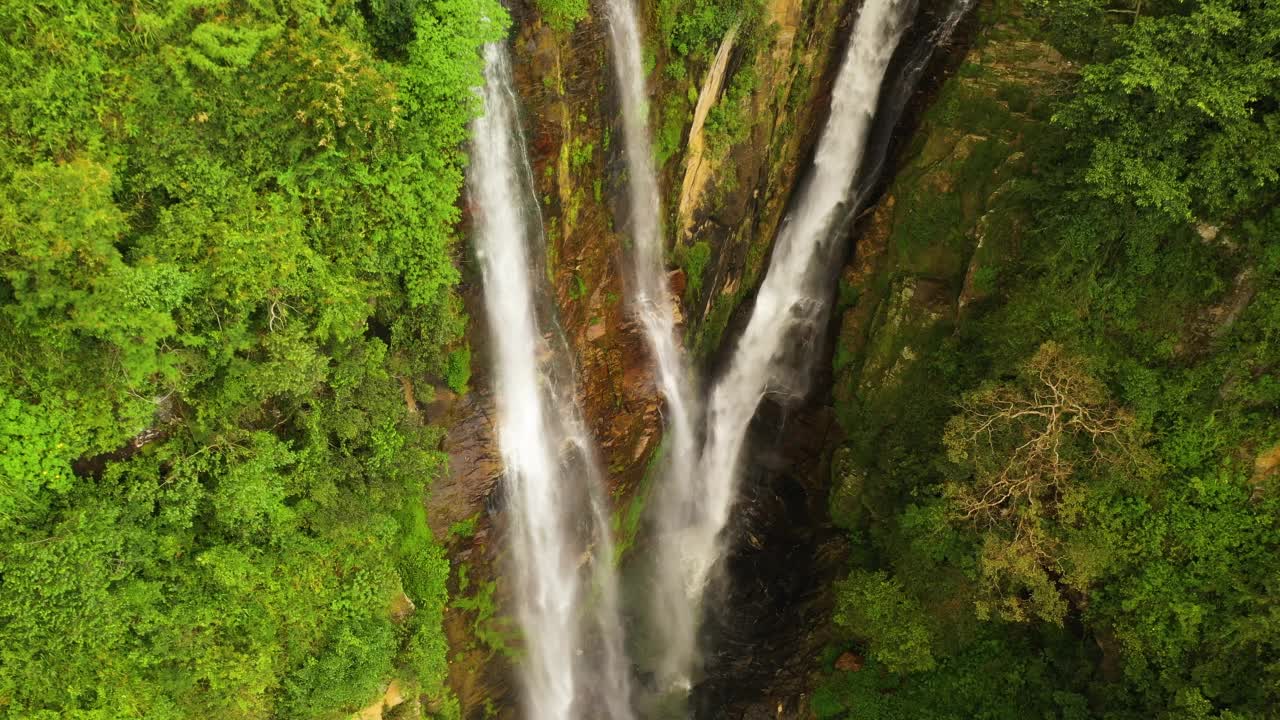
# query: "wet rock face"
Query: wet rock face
{"points": [[764, 641], [474, 460], [464, 496], [763, 637], [565, 82], [733, 201]]}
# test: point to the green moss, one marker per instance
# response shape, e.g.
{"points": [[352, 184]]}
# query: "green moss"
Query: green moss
{"points": [[670, 138], [458, 371], [581, 153], [798, 94], [846, 294], [578, 290], [496, 632], [675, 71], [847, 485], [552, 251], [984, 279], [928, 235], [648, 60], [693, 260], [844, 356], [710, 332], [1017, 97], [625, 521], [572, 209], [972, 108], [464, 528]]}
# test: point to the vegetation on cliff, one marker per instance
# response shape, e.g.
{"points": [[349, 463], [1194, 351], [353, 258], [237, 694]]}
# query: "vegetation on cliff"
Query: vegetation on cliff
{"points": [[226, 264], [1062, 484]]}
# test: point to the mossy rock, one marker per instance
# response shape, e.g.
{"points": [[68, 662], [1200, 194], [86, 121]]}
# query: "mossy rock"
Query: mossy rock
{"points": [[848, 483]]}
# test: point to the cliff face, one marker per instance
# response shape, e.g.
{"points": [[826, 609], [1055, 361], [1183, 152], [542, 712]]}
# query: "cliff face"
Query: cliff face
{"points": [[725, 193], [728, 194]]}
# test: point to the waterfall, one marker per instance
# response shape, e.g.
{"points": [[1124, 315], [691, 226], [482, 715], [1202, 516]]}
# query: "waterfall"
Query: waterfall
{"points": [[653, 304], [564, 588], [787, 305], [560, 555], [899, 89]]}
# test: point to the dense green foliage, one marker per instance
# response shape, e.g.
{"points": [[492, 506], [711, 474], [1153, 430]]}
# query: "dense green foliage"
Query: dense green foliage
{"points": [[695, 27], [1071, 508], [226, 260], [225, 239], [563, 15], [1177, 111], [691, 32]]}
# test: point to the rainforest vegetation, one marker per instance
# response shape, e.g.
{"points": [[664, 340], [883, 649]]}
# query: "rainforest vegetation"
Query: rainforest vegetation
{"points": [[229, 269], [1073, 511]]}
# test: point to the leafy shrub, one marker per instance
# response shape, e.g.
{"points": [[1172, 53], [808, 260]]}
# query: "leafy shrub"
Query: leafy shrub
{"points": [[563, 15], [874, 608]]}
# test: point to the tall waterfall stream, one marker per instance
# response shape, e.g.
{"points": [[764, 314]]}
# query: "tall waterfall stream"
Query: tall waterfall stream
{"points": [[787, 300], [673, 600], [561, 555]]}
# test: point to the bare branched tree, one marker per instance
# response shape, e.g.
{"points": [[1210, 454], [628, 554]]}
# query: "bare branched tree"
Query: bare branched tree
{"points": [[1025, 444]]}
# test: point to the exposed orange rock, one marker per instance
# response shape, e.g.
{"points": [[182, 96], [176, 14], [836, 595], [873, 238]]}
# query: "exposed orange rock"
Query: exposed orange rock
{"points": [[850, 662]]}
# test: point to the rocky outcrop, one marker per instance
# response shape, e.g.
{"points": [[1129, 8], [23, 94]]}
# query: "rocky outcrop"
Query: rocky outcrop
{"points": [[564, 81], [391, 699], [699, 168], [1214, 321], [1266, 471], [774, 622]]}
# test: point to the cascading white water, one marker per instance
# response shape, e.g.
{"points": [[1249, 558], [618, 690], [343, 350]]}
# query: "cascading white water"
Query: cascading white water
{"points": [[786, 300], [652, 302], [650, 293], [560, 551]]}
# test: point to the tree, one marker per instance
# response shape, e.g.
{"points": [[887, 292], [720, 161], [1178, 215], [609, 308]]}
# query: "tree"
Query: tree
{"points": [[1026, 450], [1183, 119]]}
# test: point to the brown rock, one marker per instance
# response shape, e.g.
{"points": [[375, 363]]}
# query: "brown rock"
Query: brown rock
{"points": [[410, 401], [677, 281], [850, 662], [1266, 468], [1267, 463], [475, 463], [1214, 321]]}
